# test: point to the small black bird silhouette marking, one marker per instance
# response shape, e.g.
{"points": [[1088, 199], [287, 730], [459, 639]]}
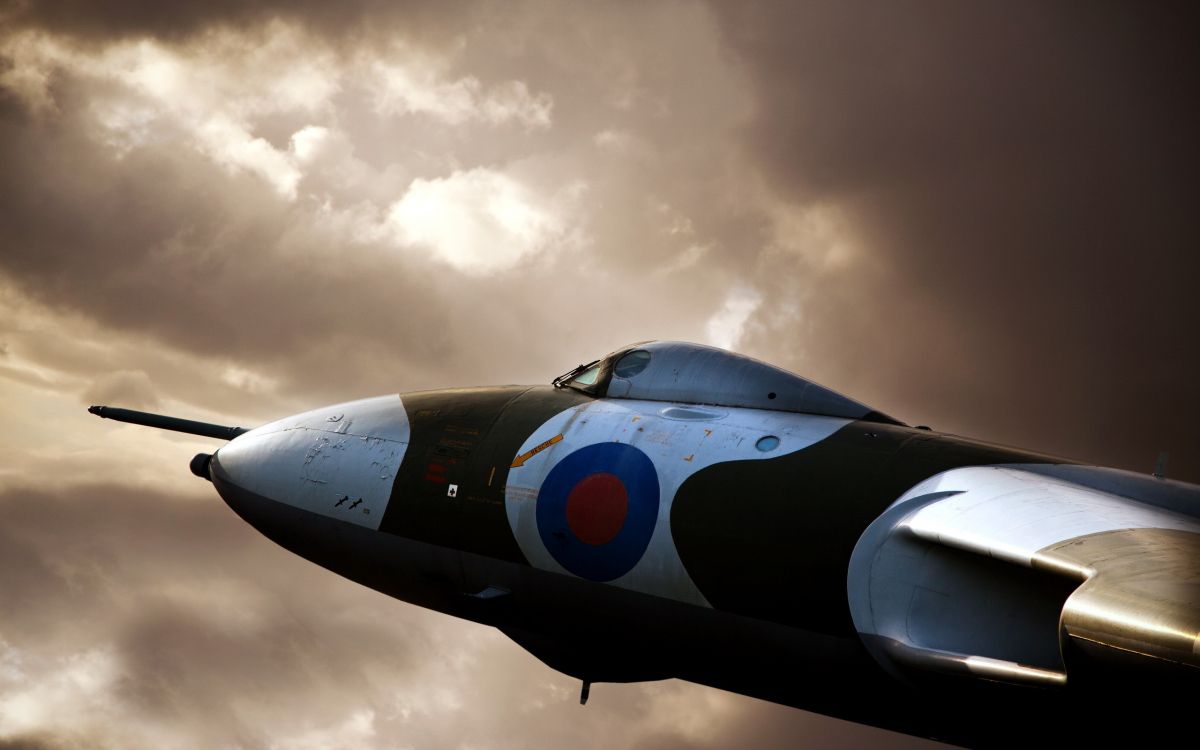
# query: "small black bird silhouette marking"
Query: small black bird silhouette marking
{"points": [[339, 502], [356, 503]]}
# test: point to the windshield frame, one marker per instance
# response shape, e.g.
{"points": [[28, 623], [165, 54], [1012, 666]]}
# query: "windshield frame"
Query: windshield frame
{"points": [[598, 388]]}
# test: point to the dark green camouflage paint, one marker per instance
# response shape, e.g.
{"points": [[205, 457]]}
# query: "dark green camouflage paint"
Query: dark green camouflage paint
{"points": [[772, 539], [466, 437]]}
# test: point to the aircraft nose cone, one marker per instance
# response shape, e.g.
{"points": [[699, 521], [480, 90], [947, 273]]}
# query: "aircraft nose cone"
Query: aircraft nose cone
{"points": [[340, 461]]}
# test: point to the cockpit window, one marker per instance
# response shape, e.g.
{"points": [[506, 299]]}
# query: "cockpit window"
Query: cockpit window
{"points": [[632, 363], [583, 377], [587, 377]]}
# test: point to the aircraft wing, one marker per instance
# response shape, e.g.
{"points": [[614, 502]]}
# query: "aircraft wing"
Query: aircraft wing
{"points": [[1033, 575]]}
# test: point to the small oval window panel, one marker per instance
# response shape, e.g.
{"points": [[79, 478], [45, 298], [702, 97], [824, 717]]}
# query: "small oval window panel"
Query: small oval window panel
{"points": [[768, 443], [632, 363]]}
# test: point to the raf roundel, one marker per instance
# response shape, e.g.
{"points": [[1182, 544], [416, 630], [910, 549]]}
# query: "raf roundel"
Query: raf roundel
{"points": [[597, 509]]}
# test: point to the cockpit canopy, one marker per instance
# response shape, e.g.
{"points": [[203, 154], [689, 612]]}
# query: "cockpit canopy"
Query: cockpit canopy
{"points": [[679, 372]]}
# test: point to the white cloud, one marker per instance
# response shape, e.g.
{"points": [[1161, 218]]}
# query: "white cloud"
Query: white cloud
{"points": [[214, 93], [512, 100], [308, 142], [245, 379], [479, 221], [210, 93], [10, 663], [229, 144], [82, 681], [416, 87], [725, 328]]}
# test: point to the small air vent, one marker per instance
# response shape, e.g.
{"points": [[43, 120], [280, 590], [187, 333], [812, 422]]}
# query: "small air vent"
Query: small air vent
{"points": [[690, 414]]}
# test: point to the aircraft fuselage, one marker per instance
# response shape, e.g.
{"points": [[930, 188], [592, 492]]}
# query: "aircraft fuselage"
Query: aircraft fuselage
{"points": [[674, 510], [736, 576]]}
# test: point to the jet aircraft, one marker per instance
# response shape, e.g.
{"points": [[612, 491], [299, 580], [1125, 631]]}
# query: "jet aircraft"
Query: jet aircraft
{"points": [[674, 510]]}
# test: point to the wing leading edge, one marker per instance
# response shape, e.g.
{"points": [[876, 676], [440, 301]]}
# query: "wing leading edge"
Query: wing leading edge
{"points": [[1012, 575]]}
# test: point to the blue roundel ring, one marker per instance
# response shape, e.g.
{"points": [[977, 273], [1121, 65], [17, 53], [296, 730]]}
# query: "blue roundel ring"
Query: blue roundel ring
{"points": [[618, 555]]}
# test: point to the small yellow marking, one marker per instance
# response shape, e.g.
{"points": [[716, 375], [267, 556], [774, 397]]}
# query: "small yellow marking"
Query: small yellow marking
{"points": [[707, 433], [689, 457], [491, 476], [635, 419], [521, 459]]}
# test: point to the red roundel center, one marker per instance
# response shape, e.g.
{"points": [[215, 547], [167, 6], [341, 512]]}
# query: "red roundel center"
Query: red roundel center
{"points": [[596, 508]]}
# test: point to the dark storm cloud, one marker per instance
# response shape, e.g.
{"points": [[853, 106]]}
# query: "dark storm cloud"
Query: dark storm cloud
{"points": [[145, 234], [127, 387], [162, 584], [209, 636], [1023, 175], [169, 238], [220, 292], [173, 20], [132, 618], [63, 549], [37, 742], [763, 726]]}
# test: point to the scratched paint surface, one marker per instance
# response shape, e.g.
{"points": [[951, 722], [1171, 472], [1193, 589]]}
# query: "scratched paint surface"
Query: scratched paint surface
{"points": [[678, 447], [339, 461]]}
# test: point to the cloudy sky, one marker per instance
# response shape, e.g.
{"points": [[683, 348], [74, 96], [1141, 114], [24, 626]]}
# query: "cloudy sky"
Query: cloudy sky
{"points": [[979, 216]]}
